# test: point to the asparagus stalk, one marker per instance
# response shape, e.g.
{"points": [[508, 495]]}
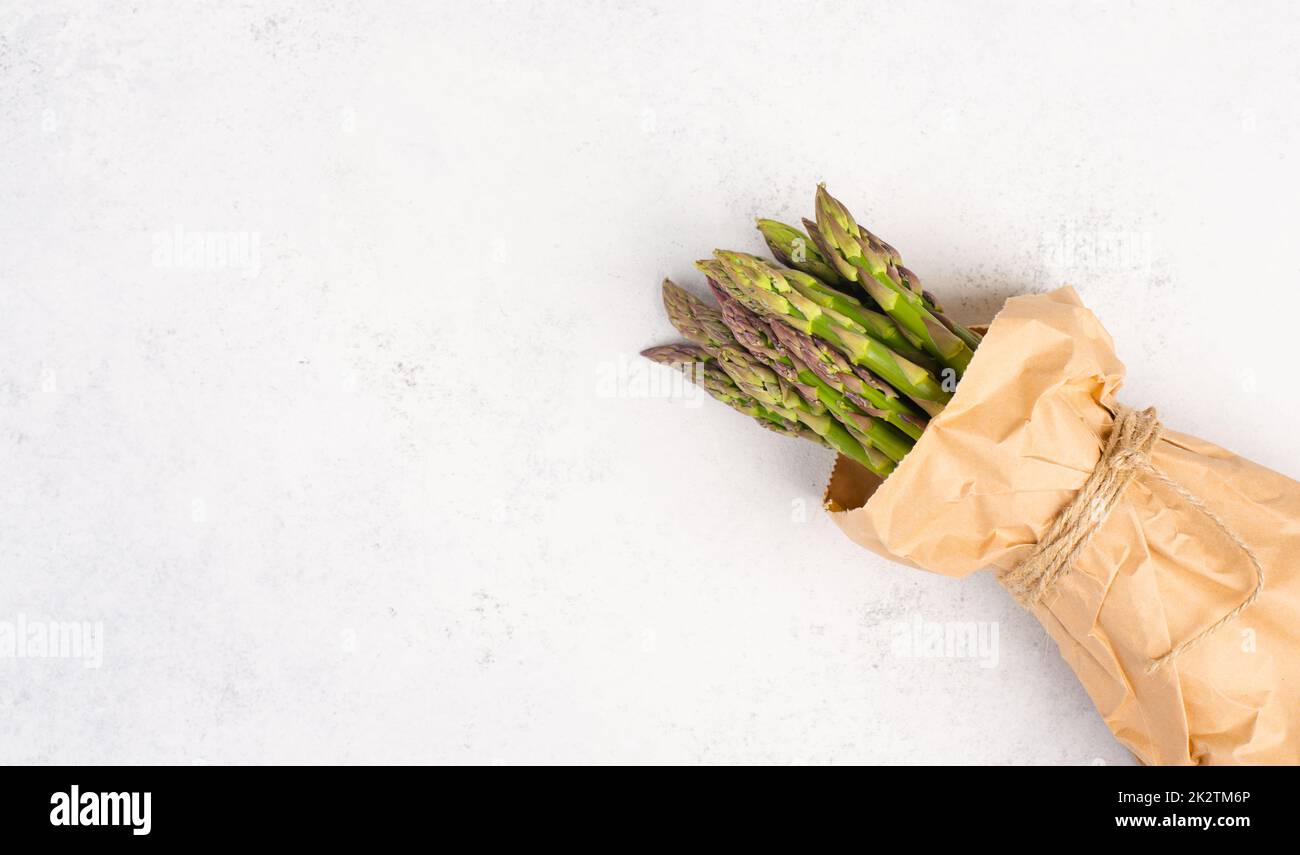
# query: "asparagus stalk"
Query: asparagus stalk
{"points": [[705, 372], [765, 291], [796, 250], [970, 337], [752, 332], [861, 257], [703, 326]]}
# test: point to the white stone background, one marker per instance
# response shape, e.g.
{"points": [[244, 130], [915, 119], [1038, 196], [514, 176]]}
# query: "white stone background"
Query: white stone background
{"points": [[377, 499]]}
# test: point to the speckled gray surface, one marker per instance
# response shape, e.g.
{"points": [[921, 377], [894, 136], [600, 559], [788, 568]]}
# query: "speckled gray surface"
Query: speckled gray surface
{"points": [[318, 389]]}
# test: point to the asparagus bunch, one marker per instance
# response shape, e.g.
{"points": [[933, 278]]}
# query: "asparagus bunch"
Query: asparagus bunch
{"points": [[842, 345]]}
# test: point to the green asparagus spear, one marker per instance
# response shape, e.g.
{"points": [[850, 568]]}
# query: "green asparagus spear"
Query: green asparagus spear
{"points": [[794, 249], [970, 337], [863, 258]]}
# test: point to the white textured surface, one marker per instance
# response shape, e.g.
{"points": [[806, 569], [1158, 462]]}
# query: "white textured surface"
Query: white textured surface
{"points": [[375, 502]]}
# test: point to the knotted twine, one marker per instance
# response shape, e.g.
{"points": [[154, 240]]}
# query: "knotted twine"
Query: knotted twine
{"points": [[1126, 456]]}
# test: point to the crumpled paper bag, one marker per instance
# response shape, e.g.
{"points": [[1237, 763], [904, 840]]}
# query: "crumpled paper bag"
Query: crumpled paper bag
{"points": [[1021, 435]]}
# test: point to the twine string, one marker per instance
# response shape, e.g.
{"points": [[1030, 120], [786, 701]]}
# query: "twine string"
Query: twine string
{"points": [[1126, 456]]}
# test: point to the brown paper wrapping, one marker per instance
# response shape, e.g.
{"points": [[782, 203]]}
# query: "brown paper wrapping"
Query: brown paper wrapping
{"points": [[1019, 438]]}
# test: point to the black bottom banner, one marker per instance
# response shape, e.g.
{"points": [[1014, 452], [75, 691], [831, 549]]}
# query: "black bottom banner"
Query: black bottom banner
{"points": [[138, 806]]}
